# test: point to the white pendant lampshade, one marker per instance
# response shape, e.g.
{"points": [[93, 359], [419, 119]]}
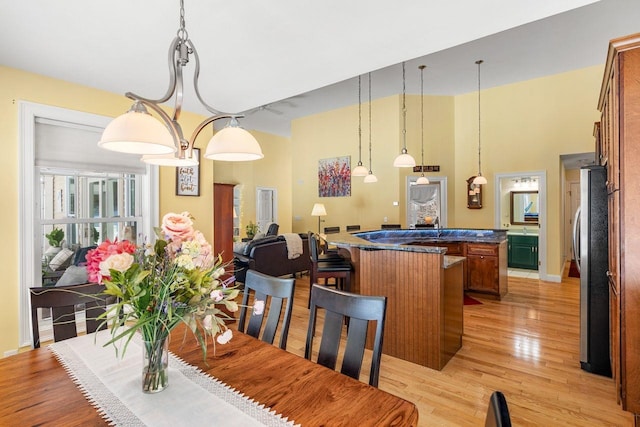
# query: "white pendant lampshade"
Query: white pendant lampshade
{"points": [[422, 180], [479, 180], [137, 132], [169, 160], [370, 178], [360, 171], [404, 160], [233, 144]]}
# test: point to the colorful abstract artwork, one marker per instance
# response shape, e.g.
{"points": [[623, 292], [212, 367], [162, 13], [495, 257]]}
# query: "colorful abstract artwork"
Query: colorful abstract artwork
{"points": [[334, 177]]}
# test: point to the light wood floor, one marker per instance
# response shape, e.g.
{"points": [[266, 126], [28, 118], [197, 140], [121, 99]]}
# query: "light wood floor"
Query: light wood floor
{"points": [[526, 345]]}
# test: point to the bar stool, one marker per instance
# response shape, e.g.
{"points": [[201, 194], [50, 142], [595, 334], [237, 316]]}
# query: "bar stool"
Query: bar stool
{"points": [[334, 267]]}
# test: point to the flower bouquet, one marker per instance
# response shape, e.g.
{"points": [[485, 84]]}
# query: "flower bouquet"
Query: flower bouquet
{"points": [[177, 279]]}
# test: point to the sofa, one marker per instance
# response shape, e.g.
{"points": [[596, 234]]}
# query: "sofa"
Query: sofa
{"points": [[269, 255]]}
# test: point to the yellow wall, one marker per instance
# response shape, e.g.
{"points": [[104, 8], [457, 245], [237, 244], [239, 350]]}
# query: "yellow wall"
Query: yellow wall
{"points": [[526, 127], [273, 171], [335, 133]]}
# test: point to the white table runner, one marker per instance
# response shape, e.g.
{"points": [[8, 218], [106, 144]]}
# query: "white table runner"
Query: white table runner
{"points": [[194, 398]]}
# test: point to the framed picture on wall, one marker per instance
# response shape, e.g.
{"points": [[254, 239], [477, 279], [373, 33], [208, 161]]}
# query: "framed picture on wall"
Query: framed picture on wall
{"points": [[334, 177], [188, 178]]}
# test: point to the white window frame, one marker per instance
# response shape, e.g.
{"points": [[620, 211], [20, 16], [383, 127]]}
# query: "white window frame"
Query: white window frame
{"points": [[28, 240]]}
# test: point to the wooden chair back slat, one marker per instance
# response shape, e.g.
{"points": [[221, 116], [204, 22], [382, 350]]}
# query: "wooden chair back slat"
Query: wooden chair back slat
{"points": [[356, 311], [275, 292], [62, 300]]}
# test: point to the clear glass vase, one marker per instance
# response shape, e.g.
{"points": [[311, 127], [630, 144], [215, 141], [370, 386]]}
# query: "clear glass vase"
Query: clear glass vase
{"points": [[155, 361]]}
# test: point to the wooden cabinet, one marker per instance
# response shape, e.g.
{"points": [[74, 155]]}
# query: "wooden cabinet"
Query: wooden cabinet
{"points": [[619, 145], [523, 252], [223, 221], [487, 268]]}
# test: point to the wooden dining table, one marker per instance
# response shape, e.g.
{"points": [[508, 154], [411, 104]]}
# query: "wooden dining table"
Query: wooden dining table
{"points": [[36, 390]]}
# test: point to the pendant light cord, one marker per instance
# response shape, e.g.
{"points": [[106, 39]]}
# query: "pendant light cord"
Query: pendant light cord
{"points": [[404, 111], [360, 120], [422, 67], [479, 159], [370, 164]]}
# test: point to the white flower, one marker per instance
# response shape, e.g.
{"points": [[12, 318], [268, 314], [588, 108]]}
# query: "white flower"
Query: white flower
{"points": [[258, 307], [119, 262], [217, 295], [207, 322], [225, 337], [219, 272], [185, 261]]}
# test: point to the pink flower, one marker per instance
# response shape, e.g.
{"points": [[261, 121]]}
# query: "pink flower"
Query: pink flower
{"points": [[258, 307], [101, 253], [178, 227]]}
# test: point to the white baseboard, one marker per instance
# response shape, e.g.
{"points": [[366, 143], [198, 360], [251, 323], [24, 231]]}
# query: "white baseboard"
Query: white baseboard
{"points": [[553, 278], [10, 353]]}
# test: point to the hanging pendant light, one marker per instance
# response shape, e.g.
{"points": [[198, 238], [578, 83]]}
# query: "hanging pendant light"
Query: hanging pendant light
{"points": [[479, 179], [370, 178], [359, 170], [404, 160], [422, 180], [162, 142]]}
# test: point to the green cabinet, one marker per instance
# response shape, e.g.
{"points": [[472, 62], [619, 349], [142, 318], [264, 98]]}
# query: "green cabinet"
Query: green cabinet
{"points": [[523, 252]]}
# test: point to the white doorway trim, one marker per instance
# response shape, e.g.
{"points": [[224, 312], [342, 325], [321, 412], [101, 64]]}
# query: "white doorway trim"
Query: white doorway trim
{"points": [[542, 233], [263, 217]]}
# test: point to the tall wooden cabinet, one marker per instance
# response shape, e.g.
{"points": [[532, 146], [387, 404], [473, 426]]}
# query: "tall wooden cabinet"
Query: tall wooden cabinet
{"points": [[619, 151], [223, 221]]}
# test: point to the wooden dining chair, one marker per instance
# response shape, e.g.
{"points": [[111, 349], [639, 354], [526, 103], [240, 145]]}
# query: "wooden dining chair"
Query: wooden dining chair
{"points": [[62, 300], [498, 412], [330, 266], [274, 291], [356, 311]]}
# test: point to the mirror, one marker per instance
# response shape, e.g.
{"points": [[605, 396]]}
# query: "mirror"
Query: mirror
{"points": [[524, 207]]}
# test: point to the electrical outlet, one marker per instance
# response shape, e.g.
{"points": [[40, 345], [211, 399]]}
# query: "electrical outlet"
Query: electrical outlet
{"points": [[385, 219]]}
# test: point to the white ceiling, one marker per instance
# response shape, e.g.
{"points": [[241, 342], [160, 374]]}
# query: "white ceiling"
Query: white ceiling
{"points": [[299, 57]]}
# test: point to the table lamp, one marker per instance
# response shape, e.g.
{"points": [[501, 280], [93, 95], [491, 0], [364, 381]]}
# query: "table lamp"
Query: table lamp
{"points": [[319, 211]]}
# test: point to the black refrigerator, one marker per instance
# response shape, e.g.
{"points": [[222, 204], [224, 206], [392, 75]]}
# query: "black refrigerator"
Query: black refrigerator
{"points": [[591, 239]]}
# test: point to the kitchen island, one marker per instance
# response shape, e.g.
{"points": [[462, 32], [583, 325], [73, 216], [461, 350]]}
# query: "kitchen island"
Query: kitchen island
{"points": [[424, 286]]}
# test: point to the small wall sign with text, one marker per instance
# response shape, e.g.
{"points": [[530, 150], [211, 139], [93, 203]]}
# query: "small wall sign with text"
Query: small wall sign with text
{"points": [[432, 168], [188, 178]]}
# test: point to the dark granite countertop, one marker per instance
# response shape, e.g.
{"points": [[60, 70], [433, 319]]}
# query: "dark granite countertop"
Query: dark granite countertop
{"points": [[409, 240]]}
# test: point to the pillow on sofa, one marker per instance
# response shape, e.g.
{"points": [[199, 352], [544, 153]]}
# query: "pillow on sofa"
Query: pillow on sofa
{"points": [[61, 259], [238, 247], [73, 275]]}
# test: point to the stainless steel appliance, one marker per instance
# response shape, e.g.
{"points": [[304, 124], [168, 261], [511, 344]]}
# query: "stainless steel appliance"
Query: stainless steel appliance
{"points": [[590, 242]]}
